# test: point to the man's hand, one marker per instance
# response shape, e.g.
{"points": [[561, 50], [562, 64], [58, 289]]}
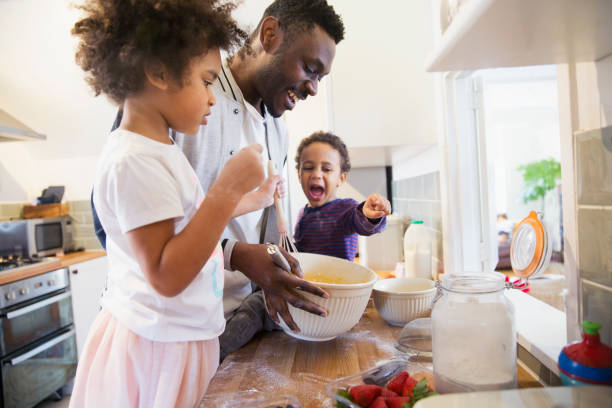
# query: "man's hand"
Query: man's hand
{"points": [[278, 285], [376, 206]]}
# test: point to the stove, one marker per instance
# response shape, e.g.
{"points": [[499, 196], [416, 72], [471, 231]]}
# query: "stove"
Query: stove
{"points": [[37, 343], [37, 338], [30, 288], [13, 263]]}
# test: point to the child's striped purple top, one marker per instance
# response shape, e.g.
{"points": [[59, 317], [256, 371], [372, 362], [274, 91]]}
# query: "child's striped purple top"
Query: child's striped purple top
{"points": [[332, 228]]}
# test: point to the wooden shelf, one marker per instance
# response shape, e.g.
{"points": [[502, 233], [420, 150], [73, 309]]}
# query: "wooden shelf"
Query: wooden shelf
{"points": [[508, 33]]}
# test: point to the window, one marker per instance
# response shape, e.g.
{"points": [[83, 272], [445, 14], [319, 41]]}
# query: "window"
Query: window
{"points": [[498, 120]]}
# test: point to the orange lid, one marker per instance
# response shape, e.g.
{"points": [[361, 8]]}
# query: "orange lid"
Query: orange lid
{"points": [[530, 251]]}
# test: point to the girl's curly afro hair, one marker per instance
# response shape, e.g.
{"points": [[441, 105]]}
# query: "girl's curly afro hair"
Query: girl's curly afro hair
{"points": [[118, 37]]}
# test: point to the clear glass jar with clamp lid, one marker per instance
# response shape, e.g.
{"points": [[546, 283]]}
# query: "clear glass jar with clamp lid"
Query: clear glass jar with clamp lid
{"points": [[473, 323]]}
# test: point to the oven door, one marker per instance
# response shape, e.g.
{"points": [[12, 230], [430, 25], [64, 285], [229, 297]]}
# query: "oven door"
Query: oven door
{"points": [[30, 321], [32, 374]]}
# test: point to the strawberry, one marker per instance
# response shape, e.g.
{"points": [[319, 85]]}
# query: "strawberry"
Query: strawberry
{"points": [[364, 394], [398, 402], [397, 383], [379, 402], [409, 384], [388, 394]]}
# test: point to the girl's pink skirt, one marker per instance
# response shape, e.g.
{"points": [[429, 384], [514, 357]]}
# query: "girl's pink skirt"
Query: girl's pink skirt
{"points": [[120, 369]]}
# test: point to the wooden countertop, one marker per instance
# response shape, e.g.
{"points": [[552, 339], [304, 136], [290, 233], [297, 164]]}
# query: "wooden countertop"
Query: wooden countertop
{"points": [[63, 261], [78, 257], [275, 363]]}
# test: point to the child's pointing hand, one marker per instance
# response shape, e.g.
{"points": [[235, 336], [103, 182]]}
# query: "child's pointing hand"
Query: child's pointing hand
{"points": [[376, 206]]}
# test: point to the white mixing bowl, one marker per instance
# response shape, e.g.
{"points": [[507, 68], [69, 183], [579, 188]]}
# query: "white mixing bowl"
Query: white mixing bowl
{"points": [[400, 300], [346, 303]]}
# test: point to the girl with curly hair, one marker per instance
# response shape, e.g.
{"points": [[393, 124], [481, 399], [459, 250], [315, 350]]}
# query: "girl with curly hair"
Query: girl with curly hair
{"points": [[155, 342]]}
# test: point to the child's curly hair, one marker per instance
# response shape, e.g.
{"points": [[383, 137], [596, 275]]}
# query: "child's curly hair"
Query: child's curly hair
{"points": [[118, 37], [332, 140]]}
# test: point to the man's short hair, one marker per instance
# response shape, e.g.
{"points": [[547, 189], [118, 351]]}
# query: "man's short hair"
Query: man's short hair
{"points": [[295, 16]]}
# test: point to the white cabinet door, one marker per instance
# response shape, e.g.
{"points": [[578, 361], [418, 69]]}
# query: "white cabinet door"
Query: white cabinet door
{"points": [[87, 281], [381, 94]]}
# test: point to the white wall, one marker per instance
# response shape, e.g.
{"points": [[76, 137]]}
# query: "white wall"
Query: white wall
{"points": [[415, 160], [43, 87], [382, 94]]}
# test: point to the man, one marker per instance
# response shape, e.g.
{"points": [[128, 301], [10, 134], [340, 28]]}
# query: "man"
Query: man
{"points": [[282, 62]]}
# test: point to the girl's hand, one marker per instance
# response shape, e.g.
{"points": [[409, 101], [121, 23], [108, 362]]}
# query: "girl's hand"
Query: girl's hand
{"points": [[261, 198], [376, 206], [242, 173], [281, 189], [268, 188]]}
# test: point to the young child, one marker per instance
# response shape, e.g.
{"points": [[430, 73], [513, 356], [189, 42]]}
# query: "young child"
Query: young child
{"points": [[329, 225], [154, 344]]}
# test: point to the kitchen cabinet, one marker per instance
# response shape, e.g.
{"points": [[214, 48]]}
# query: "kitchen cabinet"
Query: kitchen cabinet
{"points": [[87, 281], [380, 92], [510, 33]]}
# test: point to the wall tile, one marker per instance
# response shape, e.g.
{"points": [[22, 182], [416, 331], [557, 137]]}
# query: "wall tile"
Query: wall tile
{"points": [[417, 188], [84, 235], [9, 211], [88, 243], [595, 245], [417, 198], [597, 306], [81, 205], [594, 166], [429, 187], [83, 230]]}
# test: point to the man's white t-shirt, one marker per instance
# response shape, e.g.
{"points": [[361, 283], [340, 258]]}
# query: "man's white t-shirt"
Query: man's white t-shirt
{"points": [[140, 181], [247, 226]]}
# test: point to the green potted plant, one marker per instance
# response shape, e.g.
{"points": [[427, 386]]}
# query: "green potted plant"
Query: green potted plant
{"points": [[540, 177]]}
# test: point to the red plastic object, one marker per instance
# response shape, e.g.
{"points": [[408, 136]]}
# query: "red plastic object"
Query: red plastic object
{"points": [[590, 352]]}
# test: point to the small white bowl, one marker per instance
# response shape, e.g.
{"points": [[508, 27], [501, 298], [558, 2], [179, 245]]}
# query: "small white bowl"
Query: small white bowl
{"points": [[346, 303], [400, 300]]}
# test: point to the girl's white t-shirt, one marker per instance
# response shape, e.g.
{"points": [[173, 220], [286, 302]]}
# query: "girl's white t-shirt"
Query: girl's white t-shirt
{"points": [[140, 181]]}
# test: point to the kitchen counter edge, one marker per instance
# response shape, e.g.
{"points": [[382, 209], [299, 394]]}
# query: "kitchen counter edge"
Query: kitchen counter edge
{"points": [[63, 261]]}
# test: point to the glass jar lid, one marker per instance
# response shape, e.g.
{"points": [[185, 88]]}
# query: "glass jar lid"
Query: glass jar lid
{"points": [[530, 249], [473, 283], [415, 337]]}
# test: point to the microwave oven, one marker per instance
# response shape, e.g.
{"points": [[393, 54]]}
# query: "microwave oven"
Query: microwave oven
{"points": [[36, 237]]}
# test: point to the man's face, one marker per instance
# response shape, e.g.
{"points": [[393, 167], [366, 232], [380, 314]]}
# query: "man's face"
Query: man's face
{"points": [[295, 70]]}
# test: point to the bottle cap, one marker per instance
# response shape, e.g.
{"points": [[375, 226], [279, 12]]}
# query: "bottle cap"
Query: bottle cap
{"points": [[590, 327]]}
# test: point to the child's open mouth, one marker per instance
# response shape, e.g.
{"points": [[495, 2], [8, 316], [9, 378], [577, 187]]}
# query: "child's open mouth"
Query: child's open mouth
{"points": [[316, 193]]}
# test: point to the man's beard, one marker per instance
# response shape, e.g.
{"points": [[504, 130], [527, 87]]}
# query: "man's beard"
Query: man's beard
{"points": [[270, 82]]}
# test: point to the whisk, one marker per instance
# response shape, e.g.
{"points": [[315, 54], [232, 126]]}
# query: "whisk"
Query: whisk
{"points": [[286, 239]]}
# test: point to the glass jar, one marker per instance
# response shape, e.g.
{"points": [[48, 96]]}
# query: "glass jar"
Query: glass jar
{"points": [[473, 334]]}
